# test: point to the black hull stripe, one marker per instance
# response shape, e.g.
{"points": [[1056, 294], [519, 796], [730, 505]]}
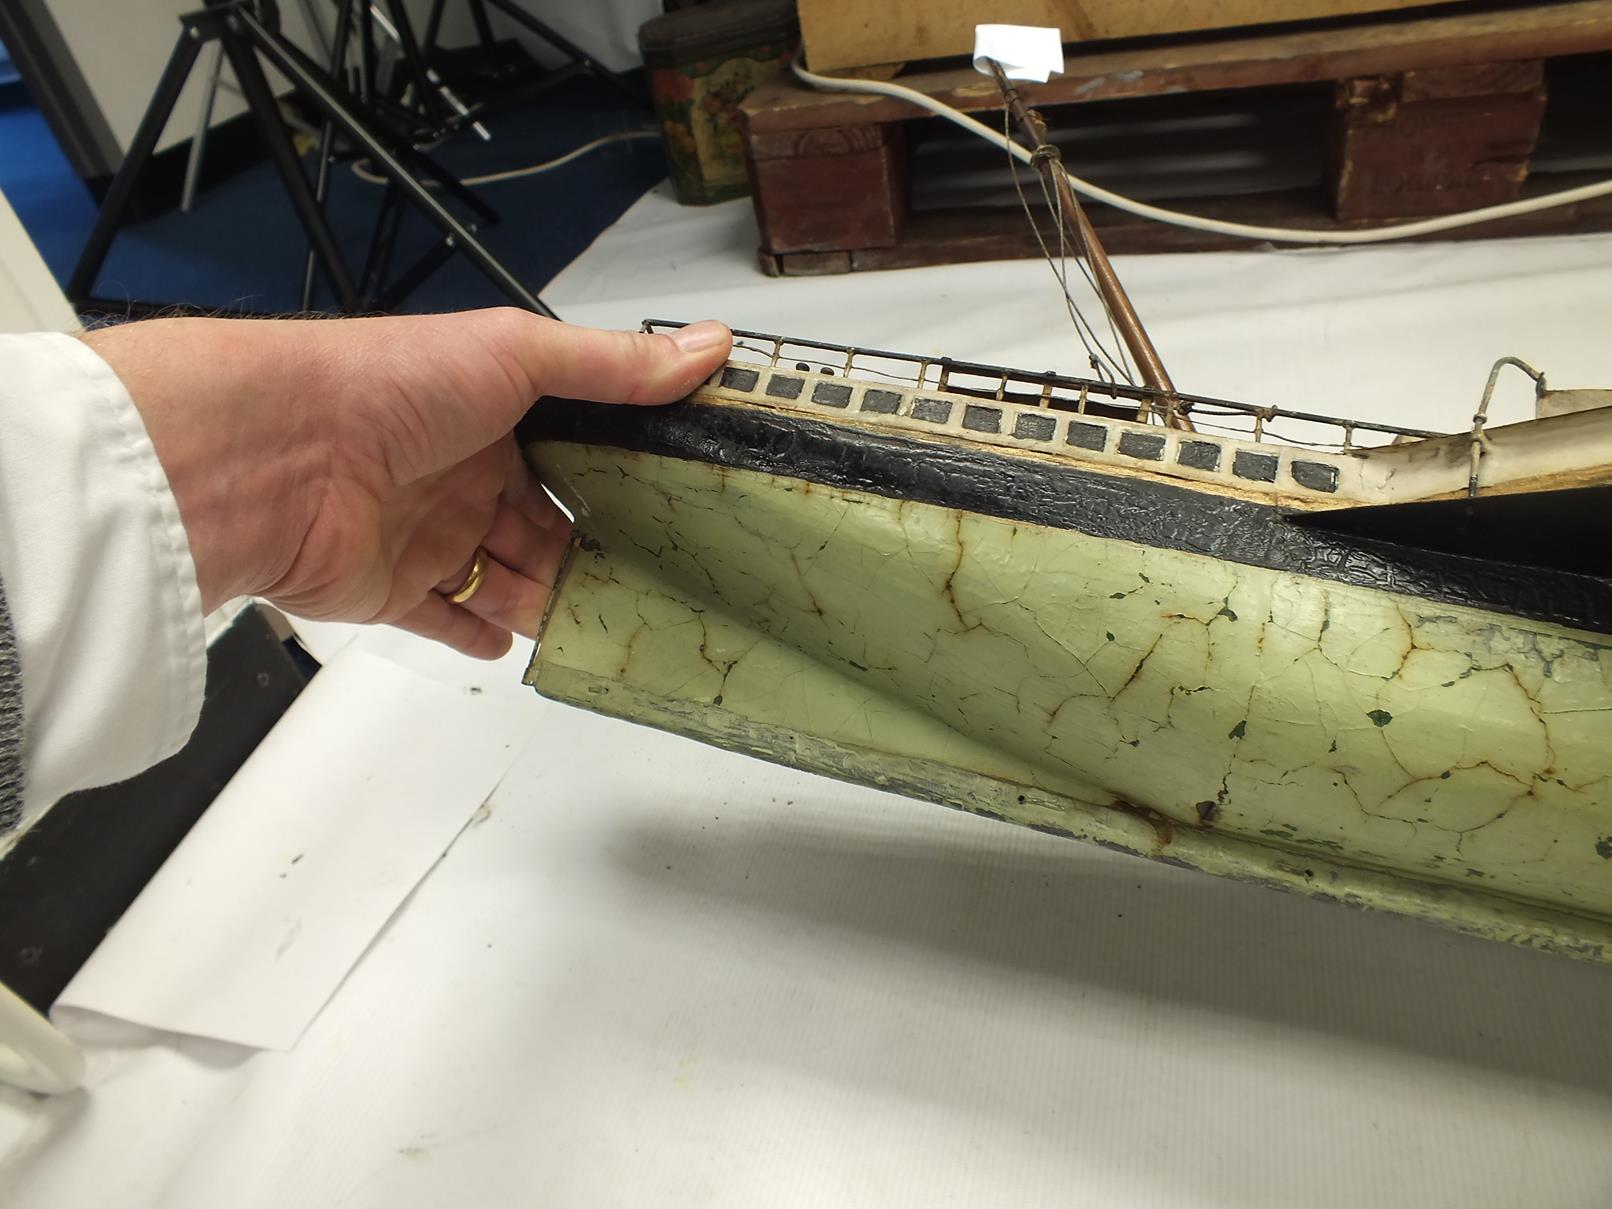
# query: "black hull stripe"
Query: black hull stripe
{"points": [[1067, 497]]}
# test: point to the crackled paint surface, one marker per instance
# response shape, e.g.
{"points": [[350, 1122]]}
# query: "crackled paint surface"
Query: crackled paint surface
{"points": [[1442, 762]]}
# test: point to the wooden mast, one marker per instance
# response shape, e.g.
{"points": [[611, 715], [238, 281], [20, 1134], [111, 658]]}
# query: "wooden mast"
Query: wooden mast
{"points": [[1048, 163]]}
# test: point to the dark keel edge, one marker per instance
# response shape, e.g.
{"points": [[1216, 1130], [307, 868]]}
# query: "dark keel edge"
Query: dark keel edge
{"points": [[1121, 507]]}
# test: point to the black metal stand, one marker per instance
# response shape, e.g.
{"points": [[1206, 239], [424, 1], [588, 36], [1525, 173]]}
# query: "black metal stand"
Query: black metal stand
{"points": [[247, 30], [577, 59], [356, 18]]}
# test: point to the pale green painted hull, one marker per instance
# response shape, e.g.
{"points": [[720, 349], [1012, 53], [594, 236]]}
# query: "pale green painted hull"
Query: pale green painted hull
{"points": [[1437, 761]]}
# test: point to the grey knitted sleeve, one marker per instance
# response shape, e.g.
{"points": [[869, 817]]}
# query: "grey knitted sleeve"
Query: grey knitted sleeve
{"points": [[10, 722]]}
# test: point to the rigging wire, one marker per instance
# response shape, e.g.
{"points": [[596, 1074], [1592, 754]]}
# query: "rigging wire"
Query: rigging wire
{"points": [[1096, 352]]}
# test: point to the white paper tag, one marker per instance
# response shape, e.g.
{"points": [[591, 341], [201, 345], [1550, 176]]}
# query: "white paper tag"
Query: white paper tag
{"points": [[1026, 52]]}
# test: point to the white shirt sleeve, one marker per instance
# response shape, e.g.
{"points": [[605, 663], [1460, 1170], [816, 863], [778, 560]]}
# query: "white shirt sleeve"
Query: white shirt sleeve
{"points": [[97, 572]]}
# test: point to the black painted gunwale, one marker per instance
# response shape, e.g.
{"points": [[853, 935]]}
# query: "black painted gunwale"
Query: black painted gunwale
{"points": [[1122, 507]]}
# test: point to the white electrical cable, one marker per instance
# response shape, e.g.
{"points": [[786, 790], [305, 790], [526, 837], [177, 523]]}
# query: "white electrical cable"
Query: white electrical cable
{"points": [[493, 178], [1429, 226]]}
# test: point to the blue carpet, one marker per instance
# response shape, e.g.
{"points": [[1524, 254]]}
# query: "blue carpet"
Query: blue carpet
{"points": [[49, 199], [240, 247]]}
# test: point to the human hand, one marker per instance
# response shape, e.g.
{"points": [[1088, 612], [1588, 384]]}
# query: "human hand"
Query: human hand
{"points": [[348, 470]]}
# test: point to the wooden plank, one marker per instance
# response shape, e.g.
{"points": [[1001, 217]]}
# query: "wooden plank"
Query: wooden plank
{"points": [[1334, 53], [805, 264], [851, 33], [828, 140], [1476, 80], [832, 190], [1434, 142], [962, 236]]}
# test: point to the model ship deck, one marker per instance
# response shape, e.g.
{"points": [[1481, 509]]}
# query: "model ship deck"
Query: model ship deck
{"points": [[1084, 421]]}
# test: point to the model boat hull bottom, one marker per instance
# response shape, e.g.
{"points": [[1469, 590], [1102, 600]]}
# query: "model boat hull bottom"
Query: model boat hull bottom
{"points": [[1384, 750]]}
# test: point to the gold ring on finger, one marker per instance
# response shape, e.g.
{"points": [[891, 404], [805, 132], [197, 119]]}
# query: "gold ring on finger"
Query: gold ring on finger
{"points": [[473, 581]]}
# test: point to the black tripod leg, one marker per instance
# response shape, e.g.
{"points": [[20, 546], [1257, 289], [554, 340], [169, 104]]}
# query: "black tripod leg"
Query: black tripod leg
{"points": [[327, 138], [437, 109], [255, 89], [426, 167], [368, 90], [323, 93], [557, 40], [156, 117], [484, 27], [310, 267], [381, 246], [433, 26], [415, 275]]}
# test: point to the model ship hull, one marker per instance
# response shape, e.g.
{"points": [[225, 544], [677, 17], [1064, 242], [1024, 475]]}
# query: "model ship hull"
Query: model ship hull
{"points": [[1186, 676]]}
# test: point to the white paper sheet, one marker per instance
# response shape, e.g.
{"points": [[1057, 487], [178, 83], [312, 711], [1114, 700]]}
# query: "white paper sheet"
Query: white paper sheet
{"points": [[1026, 52], [259, 914], [325, 640], [664, 975]]}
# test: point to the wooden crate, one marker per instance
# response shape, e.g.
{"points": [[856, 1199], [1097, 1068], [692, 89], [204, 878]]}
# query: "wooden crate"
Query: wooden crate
{"points": [[856, 33], [1429, 116]]}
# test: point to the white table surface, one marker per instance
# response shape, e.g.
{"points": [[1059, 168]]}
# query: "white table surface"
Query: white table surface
{"points": [[656, 974]]}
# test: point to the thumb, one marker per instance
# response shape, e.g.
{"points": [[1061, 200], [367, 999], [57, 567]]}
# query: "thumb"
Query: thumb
{"points": [[622, 367], [476, 373]]}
